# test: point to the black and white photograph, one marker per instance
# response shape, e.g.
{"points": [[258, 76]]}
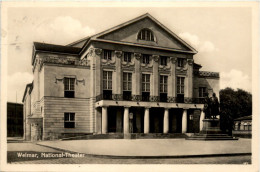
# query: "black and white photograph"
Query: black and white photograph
{"points": [[129, 86]]}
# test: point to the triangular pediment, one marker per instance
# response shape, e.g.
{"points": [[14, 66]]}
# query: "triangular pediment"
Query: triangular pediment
{"points": [[128, 32]]}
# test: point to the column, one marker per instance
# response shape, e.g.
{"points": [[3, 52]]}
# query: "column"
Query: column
{"points": [[146, 120], [184, 121], [202, 116], [98, 120], [104, 120], [126, 120], [166, 121]]}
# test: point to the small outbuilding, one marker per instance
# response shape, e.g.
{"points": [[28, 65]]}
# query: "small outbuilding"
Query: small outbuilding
{"points": [[243, 127]]}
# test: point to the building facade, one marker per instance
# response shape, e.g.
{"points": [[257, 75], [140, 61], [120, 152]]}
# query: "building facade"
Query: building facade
{"points": [[137, 77]]}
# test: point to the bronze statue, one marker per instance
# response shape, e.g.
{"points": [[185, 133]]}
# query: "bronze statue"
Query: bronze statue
{"points": [[211, 107]]}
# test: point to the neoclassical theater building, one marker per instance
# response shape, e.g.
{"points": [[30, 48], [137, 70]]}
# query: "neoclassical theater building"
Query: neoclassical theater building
{"points": [[137, 77]]}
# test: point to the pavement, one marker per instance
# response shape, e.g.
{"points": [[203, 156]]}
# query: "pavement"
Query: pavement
{"points": [[141, 148], [153, 145]]}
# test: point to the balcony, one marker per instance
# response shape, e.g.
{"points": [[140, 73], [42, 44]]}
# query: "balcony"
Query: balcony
{"points": [[148, 98]]}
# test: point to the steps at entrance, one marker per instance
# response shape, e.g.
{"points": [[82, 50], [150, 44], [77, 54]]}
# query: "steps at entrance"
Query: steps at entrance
{"points": [[128, 136], [211, 137]]}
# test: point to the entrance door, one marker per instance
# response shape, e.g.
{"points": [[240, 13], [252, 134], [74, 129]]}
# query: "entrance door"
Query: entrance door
{"points": [[175, 120], [156, 120], [193, 121], [111, 119]]}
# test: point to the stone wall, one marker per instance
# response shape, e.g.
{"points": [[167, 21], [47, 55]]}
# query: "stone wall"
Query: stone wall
{"points": [[211, 83], [54, 109]]}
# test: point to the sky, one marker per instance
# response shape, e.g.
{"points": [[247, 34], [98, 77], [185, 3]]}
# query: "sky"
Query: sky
{"points": [[221, 35]]}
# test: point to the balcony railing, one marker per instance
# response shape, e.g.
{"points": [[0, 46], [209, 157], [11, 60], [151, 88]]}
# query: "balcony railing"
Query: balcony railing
{"points": [[140, 98]]}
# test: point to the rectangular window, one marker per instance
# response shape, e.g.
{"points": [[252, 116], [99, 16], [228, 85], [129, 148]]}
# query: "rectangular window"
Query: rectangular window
{"points": [[163, 60], [69, 87], [180, 85], [180, 89], [146, 82], [145, 87], [108, 54], [127, 57], [107, 85], [146, 59], [127, 81], [202, 92], [127, 86], [69, 120], [163, 83], [180, 62], [163, 88], [107, 80]]}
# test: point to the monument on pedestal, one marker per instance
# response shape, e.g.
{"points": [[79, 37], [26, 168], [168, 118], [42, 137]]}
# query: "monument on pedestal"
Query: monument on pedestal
{"points": [[211, 124]]}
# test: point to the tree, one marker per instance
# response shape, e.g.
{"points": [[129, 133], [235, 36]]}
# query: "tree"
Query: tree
{"points": [[233, 104]]}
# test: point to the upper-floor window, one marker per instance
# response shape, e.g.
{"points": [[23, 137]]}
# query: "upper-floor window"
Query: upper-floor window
{"points": [[107, 80], [69, 87], [107, 54], [180, 62], [127, 57], [127, 81], [202, 92], [163, 60], [180, 85], [146, 82], [69, 120], [146, 59], [146, 34], [163, 84]]}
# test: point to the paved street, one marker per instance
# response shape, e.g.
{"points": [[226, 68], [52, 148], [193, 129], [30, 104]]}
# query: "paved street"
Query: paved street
{"points": [[152, 147], [31, 148]]}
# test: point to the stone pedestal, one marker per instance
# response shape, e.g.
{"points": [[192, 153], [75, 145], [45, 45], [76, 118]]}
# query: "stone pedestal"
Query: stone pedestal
{"points": [[211, 126], [211, 131]]}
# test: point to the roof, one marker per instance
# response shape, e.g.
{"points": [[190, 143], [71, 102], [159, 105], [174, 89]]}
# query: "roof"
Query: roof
{"points": [[147, 15], [28, 87], [72, 49], [55, 48], [244, 118], [197, 66], [79, 41]]}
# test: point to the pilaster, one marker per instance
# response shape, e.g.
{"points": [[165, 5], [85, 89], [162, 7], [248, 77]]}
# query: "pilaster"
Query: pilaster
{"points": [[137, 75], [118, 55], [189, 80], [155, 90], [172, 78]]}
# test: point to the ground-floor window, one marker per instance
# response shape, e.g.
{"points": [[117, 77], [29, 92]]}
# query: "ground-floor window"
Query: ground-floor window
{"points": [[69, 120]]}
